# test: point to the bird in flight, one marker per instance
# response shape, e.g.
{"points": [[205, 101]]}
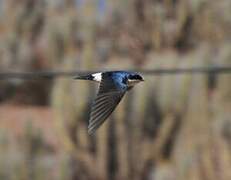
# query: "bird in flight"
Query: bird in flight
{"points": [[112, 87]]}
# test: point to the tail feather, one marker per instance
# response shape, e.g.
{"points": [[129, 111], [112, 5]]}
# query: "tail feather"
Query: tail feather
{"points": [[84, 77]]}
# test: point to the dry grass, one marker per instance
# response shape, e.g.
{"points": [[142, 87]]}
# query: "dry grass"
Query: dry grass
{"points": [[170, 127]]}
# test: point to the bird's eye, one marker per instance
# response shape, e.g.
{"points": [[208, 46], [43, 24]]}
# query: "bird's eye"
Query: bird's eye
{"points": [[130, 77], [135, 77]]}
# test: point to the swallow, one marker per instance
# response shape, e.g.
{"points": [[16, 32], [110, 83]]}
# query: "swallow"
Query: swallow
{"points": [[112, 87]]}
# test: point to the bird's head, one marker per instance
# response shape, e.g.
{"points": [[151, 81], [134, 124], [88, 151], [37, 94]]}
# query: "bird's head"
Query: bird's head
{"points": [[134, 79]]}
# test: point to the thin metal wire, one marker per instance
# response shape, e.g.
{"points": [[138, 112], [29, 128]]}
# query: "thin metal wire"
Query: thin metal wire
{"points": [[155, 72]]}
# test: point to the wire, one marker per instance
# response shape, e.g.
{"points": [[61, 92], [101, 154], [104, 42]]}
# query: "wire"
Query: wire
{"points": [[194, 70], [55, 74]]}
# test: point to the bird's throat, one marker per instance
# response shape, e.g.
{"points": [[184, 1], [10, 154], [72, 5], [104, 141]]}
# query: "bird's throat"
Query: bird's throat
{"points": [[132, 82]]}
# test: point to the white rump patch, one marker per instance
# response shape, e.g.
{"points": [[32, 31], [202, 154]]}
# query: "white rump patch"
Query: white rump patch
{"points": [[97, 77]]}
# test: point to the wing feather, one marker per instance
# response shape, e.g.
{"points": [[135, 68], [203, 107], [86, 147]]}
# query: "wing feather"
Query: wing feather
{"points": [[102, 108], [107, 99]]}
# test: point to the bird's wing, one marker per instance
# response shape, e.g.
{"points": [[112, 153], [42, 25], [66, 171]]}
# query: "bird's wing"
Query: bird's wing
{"points": [[103, 106], [106, 101], [107, 84]]}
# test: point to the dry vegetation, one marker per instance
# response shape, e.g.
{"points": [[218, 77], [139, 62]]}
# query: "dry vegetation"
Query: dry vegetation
{"points": [[172, 127]]}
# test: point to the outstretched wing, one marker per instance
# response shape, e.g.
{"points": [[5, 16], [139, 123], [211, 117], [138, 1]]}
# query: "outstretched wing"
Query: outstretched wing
{"points": [[105, 103], [103, 106]]}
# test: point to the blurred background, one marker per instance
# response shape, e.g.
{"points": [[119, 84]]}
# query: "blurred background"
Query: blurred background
{"points": [[172, 127]]}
